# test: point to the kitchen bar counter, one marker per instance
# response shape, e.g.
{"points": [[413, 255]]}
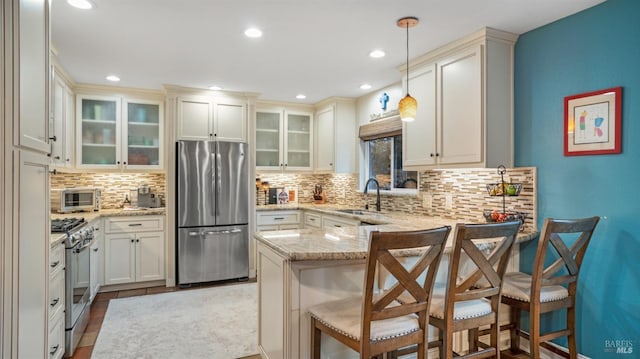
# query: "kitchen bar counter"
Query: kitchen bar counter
{"points": [[299, 268], [347, 243]]}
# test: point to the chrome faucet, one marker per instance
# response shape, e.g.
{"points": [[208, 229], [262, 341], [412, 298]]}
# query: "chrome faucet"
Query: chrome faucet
{"points": [[366, 188]]}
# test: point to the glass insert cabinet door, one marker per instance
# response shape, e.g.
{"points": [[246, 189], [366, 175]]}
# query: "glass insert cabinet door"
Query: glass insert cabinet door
{"points": [[100, 125], [268, 139], [298, 144], [142, 133]]}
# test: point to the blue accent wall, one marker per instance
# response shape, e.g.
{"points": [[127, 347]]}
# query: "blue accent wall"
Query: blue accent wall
{"points": [[595, 49]]}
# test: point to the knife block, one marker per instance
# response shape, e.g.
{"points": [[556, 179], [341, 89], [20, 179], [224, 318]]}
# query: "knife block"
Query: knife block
{"points": [[322, 200]]}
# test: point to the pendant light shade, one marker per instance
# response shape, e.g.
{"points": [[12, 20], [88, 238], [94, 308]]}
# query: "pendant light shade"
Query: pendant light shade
{"points": [[408, 106]]}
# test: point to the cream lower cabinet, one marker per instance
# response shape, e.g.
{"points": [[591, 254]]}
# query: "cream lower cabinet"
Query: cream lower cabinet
{"points": [[134, 249], [56, 334], [278, 220], [96, 266], [465, 104]]}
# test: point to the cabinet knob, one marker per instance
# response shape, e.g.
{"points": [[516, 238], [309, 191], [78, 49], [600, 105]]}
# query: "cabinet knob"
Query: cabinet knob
{"points": [[211, 135], [54, 138], [54, 171], [54, 302], [57, 157], [54, 349], [137, 240], [124, 163], [68, 159], [431, 155], [331, 164], [117, 162], [133, 240]]}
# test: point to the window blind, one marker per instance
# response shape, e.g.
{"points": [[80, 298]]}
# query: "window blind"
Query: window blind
{"points": [[382, 128]]}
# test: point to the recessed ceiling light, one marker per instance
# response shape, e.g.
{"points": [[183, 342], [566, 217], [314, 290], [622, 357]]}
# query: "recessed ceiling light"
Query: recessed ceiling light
{"points": [[215, 88], [301, 96], [113, 78], [365, 87], [253, 32], [376, 54], [81, 4]]}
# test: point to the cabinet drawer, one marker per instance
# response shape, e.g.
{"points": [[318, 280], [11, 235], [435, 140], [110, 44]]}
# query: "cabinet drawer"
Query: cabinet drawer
{"points": [[289, 217], [56, 259], [56, 293], [312, 220], [134, 224], [56, 337]]}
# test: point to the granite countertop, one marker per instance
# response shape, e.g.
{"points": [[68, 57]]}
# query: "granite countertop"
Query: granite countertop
{"points": [[57, 238], [351, 242]]}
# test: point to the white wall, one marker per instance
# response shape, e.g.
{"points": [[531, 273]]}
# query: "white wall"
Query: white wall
{"points": [[370, 104]]}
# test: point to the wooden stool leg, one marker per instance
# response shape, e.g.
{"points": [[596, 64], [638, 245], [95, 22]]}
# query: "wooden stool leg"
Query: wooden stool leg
{"points": [[315, 340], [571, 325], [514, 332], [534, 332], [495, 338], [473, 340]]}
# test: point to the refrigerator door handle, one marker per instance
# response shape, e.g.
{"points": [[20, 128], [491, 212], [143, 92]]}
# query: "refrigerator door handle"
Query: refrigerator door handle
{"points": [[217, 232]]}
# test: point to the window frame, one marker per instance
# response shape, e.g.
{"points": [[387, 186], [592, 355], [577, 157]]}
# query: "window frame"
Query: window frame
{"points": [[394, 190]]}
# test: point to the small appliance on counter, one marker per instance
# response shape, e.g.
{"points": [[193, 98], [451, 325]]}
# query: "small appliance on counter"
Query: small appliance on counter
{"points": [[146, 198], [66, 200]]}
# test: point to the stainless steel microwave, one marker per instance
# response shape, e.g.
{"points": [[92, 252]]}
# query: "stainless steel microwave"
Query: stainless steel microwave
{"points": [[75, 200]]}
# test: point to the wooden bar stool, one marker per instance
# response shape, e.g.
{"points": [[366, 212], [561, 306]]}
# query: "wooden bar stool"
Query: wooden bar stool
{"points": [[549, 288], [375, 323], [461, 304]]}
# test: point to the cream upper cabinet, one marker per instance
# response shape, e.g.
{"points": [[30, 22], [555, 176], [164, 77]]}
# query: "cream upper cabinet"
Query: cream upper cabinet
{"points": [[465, 115], [419, 136], [119, 133], [335, 133], [223, 119], [325, 139], [31, 39], [284, 139], [62, 134]]}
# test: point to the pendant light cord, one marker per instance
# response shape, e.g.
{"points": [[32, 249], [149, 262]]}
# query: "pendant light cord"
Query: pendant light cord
{"points": [[407, 26]]}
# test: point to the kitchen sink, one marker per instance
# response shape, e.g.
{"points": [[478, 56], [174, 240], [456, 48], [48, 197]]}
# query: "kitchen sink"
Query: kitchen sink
{"points": [[353, 211]]}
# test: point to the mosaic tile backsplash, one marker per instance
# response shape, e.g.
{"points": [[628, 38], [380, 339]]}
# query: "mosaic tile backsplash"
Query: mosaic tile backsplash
{"points": [[114, 185], [467, 189]]}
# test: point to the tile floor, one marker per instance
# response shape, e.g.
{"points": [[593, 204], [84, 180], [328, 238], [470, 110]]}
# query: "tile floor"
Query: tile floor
{"points": [[99, 309]]}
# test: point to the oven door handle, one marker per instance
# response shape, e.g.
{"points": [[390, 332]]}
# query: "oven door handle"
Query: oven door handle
{"points": [[86, 246]]}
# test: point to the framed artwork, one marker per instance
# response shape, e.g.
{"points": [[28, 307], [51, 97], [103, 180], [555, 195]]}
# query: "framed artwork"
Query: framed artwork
{"points": [[593, 123]]}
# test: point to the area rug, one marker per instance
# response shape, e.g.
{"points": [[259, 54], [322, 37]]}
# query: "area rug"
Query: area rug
{"points": [[217, 322]]}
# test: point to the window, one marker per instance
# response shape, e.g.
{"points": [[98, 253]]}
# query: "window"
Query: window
{"points": [[384, 163]]}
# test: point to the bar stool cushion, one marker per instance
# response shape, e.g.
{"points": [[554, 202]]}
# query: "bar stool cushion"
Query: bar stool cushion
{"points": [[345, 316], [517, 285], [461, 310]]}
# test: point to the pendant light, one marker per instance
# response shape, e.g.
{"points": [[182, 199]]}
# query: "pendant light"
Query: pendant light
{"points": [[408, 106]]}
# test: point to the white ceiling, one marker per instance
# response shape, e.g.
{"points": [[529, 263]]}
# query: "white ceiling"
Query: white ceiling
{"points": [[316, 47]]}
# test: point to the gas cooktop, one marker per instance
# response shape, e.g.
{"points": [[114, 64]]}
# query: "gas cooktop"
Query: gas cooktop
{"points": [[65, 224]]}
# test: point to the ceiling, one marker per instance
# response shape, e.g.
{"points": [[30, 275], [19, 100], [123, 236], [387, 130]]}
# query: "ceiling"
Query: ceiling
{"points": [[315, 47]]}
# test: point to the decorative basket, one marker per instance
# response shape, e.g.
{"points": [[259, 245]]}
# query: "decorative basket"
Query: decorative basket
{"points": [[504, 189], [508, 216]]}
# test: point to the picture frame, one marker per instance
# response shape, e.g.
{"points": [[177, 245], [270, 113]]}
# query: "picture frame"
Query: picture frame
{"points": [[593, 123]]}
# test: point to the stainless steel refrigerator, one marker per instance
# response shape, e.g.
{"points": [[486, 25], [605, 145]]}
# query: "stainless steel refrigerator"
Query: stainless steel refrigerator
{"points": [[213, 211]]}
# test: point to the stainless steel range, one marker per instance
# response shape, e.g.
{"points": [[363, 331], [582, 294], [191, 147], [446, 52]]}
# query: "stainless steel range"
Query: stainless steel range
{"points": [[79, 239]]}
